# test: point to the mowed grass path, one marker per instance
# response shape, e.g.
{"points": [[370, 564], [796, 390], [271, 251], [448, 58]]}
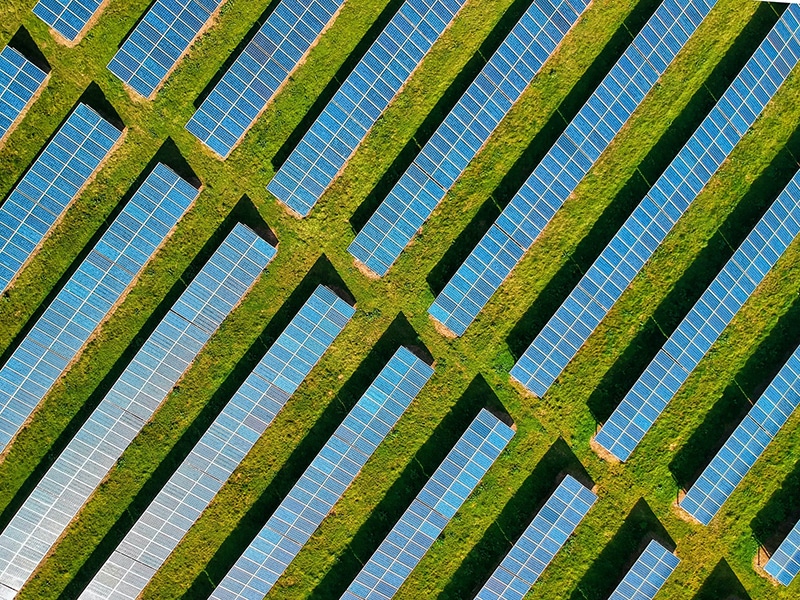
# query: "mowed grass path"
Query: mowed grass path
{"points": [[553, 432]]}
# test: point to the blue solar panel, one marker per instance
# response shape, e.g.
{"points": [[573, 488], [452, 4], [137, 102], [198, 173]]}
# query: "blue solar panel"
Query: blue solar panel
{"points": [[256, 76], [440, 498], [365, 94], [567, 162], [69, 18], [20, 81], [657, 213], [129, 404], [324, 482], [158, 42], [540, 542], [784, 564], [706, 321], [464, 132], [648, 574], [54, 180]]}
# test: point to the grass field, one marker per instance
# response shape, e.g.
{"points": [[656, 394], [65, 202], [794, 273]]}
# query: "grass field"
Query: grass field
{"points": [[636, 499]]}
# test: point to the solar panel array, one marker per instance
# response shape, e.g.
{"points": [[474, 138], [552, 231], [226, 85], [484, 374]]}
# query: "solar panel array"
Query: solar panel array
{"points": [[129, 404], [68, 17], [324, 482], [567, 162], [263, 67], [86, 299], [648, 574], [365, 94], [437, 502], [20, 81], [222, 447], [540, 542], [43, 194], [657, 213], [464, 132], [703, 325], [784, 564], [158, 42]]}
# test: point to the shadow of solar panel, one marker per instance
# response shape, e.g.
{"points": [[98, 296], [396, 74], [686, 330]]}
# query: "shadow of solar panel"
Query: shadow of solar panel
{"points": [[784, 564], [540, 542], [158, 42], [635, 242], [437, 502], [67, 17], [20, 81], [568, 161], [365, 94], [647, 575], [464, 132], [54, 180], [326, 479], [263, 67], [131, 401]]}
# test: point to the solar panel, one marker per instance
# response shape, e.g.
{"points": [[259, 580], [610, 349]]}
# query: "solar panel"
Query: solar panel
{"points": [[20, 82], [69, 18], [657, 213], [258, 73], [325, 480], [703, 325], [365, 94], [440, 498], [784, 564], [567, 162], [648, 574], [160, 39], [464, 132], [54, 180], [129, 404], [540, 542]]}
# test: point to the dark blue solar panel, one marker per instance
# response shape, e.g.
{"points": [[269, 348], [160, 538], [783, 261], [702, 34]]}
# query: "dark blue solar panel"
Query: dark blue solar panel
{"points": [[784, 564], [648, 574], [365, 94], [67, 17], [440, 498], [568, 161], [263, 67], [464, 132], [138, 392], [20, 81], [158, 42], [657, 213], [54, 180]]}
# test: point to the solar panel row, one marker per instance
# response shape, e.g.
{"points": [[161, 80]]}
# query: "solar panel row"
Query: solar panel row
{"points": [[704, 323], [158, 42], [648, 574], [20, 81], [437, 502], [676, 189], [263, 67], [540, 542], [464, 132], [567, 162], [54, 180], [784, 564], [67, 17], [91, 293], [365, 94], [129, 404], [326, 479]]}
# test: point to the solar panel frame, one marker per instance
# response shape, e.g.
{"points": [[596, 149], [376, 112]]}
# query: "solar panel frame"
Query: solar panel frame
{"points": [[647, 575], [21, 81], [784, 564], [69, 19]]}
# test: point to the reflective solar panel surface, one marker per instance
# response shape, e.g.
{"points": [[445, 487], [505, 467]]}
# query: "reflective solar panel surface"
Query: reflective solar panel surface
{"points": [[701, 328], [464, 132], [263, 67], [68, 17], [567, 162], [648, 574], [54, 180], [329, 475], [20, 81], [784, 564], [365, 94], [158, 42], [540, 542], [657, 213], [440, 498], [129, 404]]}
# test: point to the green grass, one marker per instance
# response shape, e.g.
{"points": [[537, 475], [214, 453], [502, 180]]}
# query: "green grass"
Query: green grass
{"points": [[553, 433]]}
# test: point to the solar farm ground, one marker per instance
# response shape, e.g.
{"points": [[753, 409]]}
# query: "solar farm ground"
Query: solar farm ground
{"points": [[635, 499]]}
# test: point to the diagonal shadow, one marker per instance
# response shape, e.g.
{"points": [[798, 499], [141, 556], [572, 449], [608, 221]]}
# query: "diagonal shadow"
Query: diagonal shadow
{"points": [[780, 514], [722, 584]]}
